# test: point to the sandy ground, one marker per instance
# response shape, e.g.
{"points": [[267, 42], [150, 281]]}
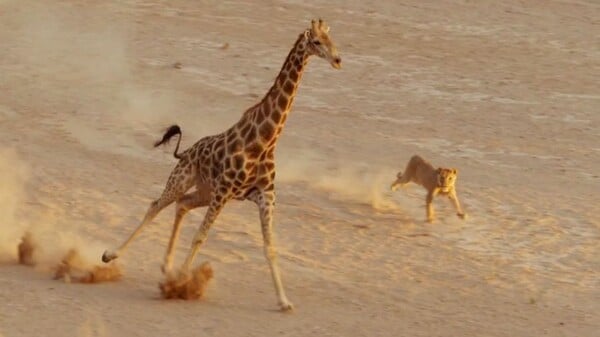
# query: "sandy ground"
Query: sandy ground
{"points": [[506, 91]]}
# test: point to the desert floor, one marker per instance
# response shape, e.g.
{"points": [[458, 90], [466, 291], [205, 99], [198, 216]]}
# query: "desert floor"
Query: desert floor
{"points": [[506, 91]]}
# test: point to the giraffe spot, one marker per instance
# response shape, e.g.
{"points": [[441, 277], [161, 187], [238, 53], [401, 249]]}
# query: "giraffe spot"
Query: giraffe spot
{"points": [[220, 153], [263, 182], [289, 66], [266, 131], [230, 174], [288, 87], [269, 166], [241, 175], [275, 116], [235, 146], [237, 161], [293, 75], [282, 102], [254, 150]]}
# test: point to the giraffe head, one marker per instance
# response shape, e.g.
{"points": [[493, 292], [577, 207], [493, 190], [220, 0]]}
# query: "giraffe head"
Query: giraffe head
{"points": [[319, 43]]}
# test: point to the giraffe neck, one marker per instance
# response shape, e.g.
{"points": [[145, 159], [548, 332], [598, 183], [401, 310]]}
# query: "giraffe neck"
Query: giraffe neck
{"points": [[269, 116]]}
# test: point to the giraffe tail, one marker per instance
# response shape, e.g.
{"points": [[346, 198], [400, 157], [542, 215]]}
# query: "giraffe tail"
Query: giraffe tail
{"points": [[171, 131]]}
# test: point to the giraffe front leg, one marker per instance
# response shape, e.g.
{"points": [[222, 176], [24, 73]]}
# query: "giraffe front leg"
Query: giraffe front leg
{"points": [[215, 207], [266, 202], [198, 198]]}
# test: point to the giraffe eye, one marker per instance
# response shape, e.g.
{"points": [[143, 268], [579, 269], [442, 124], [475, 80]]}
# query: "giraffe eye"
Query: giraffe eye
{"points": [[317, 42]]}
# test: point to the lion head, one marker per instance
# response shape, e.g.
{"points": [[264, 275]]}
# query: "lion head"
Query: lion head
{"points": [[446, 178]]}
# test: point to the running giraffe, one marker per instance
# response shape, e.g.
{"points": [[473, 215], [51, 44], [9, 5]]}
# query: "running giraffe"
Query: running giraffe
{"points": [[238, 163]]}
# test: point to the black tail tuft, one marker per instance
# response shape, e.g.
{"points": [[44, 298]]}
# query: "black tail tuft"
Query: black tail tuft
{"points": [[171, 131]]}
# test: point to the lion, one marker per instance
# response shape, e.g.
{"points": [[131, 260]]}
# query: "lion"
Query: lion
{"points": [[435, 181]]}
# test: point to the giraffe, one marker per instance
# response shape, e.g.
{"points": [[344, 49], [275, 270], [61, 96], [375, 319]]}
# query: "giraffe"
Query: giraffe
{"points": [[239, 163]]}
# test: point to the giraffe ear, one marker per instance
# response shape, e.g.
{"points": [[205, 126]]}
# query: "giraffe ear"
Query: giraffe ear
{"points": [[313, 26], [323, 27]]}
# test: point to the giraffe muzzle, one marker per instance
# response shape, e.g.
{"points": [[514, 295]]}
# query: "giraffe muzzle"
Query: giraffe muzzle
{"points": [[337, 62]]}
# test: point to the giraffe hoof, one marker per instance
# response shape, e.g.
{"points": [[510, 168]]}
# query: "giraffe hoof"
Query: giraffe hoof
{"points": [[462, 215], [108, 256], [166, 269], [286, 306]]}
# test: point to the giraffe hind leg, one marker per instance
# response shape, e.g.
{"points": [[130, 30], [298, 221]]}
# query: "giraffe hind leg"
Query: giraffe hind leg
{"points": [[198, 198], [218, 199], [174, 190]]}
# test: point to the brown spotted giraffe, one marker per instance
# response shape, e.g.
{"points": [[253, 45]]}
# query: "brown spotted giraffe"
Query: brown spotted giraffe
{"points": [[238, 163]]}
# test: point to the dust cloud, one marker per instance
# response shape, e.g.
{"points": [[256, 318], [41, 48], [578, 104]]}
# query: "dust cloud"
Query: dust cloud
{"points": [[13, 176], [352, 182], [43, 240]]}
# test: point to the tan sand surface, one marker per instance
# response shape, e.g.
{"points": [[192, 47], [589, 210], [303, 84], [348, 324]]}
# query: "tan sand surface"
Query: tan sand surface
{"points": [[506, 91]]}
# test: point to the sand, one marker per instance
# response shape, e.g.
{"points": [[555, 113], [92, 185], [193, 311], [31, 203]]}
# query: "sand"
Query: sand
{"points": [[505, 91]]}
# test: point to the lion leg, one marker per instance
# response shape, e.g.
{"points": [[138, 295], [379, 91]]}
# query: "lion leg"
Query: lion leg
{"points": [[429, 207], [401, 180], [459, 211]]}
